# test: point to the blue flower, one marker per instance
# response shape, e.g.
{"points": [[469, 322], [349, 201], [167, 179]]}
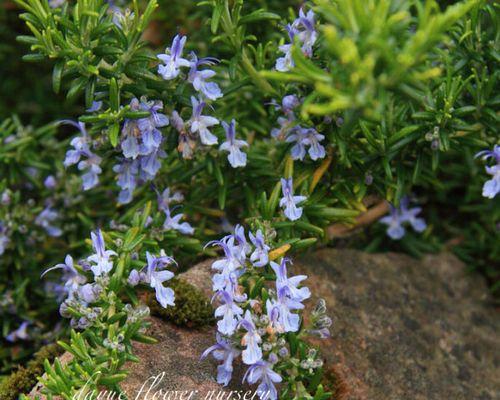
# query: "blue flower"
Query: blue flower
{"points": [[156, 274], [225, 352], [242, 248], [491, 187], [20, 333], [304, 29], [71, 278], [199, 78], [251, 339], [410, 215], [290, 284], [172, 59], [127, 172], [150, 134], [394, 223], [262, 372], [96, 106], [229, 268], [172, 222], [50, 182], [307, 34], [82, 150], [142, 136], [280, 314], [151, 164], [306, 137], [232, 145], [398, 216], [229, 311], [201, 123], [260, 256], [4, 238], [45, 220], [101, 258], [165, 199], [289, 201], [285, 63]]}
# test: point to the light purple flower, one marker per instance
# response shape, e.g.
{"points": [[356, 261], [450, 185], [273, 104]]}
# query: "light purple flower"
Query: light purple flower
{"points": [[251, 339], [172, 59], [289, 201], [127, 172], [151, 164], [200, 123], [262, 372], [82, 150], [491, 187], [45, 220], [151, 136], [96, 106], [260, 256], [398, 216], [280, 313], [4, 238], [172, 222], [410, 215], [395, 229], [306, 137], [232, 145], [230, 313], [156, 274], [285, 63], [225, 352], [289, 103], [101, 258], [50, 182], [291, 284], [229, 268], [307, 34], [71, 278], [20, 333], [199, 78], [165, 199], [89, 292]]}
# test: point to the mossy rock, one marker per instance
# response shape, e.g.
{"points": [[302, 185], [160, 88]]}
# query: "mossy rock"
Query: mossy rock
{"points": [[22, 380], [192, 308]]}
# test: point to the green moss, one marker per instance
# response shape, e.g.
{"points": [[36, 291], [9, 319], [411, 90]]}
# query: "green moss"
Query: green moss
{"points": [[23, 380], [192, 308]]}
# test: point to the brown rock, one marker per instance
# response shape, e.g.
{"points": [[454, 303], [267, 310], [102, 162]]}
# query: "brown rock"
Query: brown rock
{"points": [[403, 329], [407, 329]]}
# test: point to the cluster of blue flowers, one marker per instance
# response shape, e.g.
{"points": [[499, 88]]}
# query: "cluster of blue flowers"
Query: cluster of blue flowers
{"points": [[401, 215], [251, 327], [82, 155], [306, 140], [172, 222], [491, 187], [301, 31], [141, 147], [198, 125], [77, 293], [141, 140]]}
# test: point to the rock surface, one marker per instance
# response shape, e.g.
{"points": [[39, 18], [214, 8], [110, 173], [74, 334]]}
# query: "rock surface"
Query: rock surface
{"points": [[403, 329]]}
